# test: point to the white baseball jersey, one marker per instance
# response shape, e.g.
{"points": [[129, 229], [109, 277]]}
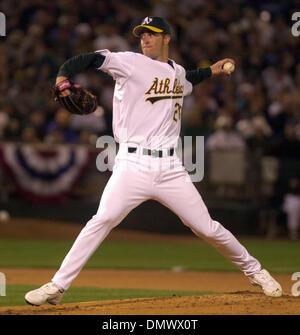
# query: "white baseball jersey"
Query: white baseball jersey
{"points": [[148, 98], [147, 109]]}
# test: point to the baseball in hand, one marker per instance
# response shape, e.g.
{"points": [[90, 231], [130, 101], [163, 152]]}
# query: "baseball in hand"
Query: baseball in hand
{"points": [[228, 67], [4, 216]]}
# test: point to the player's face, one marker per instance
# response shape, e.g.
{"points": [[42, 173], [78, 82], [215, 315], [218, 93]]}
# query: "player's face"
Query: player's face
{"points": [[153, 44]]}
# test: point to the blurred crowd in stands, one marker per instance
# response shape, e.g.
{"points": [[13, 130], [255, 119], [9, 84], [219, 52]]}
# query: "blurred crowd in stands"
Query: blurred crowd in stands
{"points": [[256, 109]]}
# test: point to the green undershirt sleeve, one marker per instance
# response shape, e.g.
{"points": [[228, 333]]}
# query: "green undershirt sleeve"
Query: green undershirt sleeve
{"points": [[80, 63], [197, 76]]}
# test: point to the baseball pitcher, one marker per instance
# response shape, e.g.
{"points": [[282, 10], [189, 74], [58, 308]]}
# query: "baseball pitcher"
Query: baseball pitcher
{"points": [[147, 108]]}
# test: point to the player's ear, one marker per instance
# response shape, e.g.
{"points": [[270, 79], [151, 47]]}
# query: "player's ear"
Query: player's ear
{"points": [[167, 39]]}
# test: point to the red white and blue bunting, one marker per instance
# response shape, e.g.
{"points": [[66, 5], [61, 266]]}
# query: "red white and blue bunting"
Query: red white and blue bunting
{"points": [[42, 175]]}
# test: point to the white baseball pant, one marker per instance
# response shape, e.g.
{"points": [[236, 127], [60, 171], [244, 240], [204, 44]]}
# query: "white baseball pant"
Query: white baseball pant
{"points": [[135, 179]]}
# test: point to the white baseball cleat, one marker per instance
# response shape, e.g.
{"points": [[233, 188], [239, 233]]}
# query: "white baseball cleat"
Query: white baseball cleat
{"points": [[47, 293], [269, 285]]}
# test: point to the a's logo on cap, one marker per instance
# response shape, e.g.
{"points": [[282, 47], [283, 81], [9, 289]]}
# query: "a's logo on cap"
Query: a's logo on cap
{"points": [[147, 20]]}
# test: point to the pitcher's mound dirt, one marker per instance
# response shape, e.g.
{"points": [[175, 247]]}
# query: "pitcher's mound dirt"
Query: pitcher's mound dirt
{"points": [[240, 296], [245, 303]]}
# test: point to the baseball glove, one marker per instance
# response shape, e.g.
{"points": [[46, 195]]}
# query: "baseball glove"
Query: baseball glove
{"points": [[79, 101]]}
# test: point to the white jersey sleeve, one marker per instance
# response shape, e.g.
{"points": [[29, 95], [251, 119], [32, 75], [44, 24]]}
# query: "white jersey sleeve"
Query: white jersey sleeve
{"points": [[119, 65], [188, 88]]}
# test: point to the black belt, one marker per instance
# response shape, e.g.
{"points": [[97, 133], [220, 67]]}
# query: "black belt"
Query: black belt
{"points": [[155, 153]]}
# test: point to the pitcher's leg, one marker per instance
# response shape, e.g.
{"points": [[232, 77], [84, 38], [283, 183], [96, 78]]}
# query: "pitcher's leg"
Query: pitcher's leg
{"points": [[184, 200], [118, 199], [84, 246]]}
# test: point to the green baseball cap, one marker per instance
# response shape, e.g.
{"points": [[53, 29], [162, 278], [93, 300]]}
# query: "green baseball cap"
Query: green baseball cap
{"points": [[153, 23]]}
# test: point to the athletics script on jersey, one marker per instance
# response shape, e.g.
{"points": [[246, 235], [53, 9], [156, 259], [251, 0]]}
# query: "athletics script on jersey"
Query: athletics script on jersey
{"points": [[163, 87]]}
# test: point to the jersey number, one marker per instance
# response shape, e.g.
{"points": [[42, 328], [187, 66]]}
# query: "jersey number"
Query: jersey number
{"points": [[177, 112]]}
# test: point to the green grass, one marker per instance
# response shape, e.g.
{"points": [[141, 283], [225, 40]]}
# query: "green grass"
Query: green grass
{"points": [[15, 294], [276, 256]]}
